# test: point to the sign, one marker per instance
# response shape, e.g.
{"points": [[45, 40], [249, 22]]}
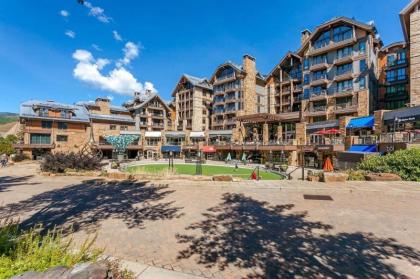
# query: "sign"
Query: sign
{"points": [[324, 148]]}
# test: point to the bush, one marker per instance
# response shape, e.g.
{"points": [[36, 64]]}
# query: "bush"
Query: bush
{"points": [[6, 144], [405, 163], [22, 251], [59, 162], [356, 175]]}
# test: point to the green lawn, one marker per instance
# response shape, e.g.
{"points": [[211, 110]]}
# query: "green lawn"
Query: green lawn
{"points": [[207, 170]]}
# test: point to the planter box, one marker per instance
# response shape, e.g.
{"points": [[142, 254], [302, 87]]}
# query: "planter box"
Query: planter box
{"points": [[382, 177]]}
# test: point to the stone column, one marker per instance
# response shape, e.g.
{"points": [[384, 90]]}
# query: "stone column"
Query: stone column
{"points": [[301, 133], [265, 133], [280, 133], [415, 58]]}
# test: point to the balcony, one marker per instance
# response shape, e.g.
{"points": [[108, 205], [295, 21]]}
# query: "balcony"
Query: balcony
{"points": [[346, 107], [230, 122], [397, 63], [345, 92], [219, 102], [318, 95], [343, 60], [405, 137], [344, 76], [318, 67], [224, 79], [331, 45], [298, 88], [33, 145], [320, 81], [364, 140], [316, 111], [397, 79]]}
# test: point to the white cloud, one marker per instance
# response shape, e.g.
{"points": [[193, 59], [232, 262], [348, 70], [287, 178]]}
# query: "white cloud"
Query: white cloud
{"points": [[118, 80], [131, 51], [96, 47], [109, 97], [148, 86], [64, 13], [97, 12], [117, 36], [70, 34]]}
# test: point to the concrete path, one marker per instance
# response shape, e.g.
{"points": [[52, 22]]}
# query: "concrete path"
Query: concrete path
{"points": [[265, 229]]}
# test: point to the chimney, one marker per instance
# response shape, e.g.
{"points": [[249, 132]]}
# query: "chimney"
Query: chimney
{"points": [[248, 64], [304, 36]]}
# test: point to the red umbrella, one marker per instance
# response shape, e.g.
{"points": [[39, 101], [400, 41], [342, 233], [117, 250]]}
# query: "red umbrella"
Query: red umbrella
{"points": [[332, 131]]}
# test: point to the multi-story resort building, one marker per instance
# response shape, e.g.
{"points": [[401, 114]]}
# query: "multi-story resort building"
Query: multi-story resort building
{"points": [[341, 91], [238, 90], [393, 71], [192, 99]]}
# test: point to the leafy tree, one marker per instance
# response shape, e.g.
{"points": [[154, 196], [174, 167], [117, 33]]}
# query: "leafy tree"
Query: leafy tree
{"points": [[6, 144]]}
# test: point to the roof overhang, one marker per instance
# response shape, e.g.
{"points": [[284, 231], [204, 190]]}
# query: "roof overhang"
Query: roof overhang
{"points": [[262, 118], [405, 17]]}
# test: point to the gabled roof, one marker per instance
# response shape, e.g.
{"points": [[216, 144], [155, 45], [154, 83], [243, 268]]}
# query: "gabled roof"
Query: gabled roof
{"points": [[237, 68], [334, 21], [285, 57], [146, 101], [396, 44], [404, 17], [28, 110], [195, 81]]}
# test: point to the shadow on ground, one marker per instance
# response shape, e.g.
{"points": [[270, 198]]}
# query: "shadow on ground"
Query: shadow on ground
{"points": [[273, 243], [10, 181], [85, 205]]}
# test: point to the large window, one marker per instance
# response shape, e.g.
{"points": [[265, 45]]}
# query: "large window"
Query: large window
{"points": [[396, 75], [345, 85], [62, 125], [40, 139], [46, 124], [43, 112], [322, 40], [305, 63], [362, 82], [226, 73], [319, 75], [342, 33], [344, 52], [396, 89], [319, 59], [306, 79], [344, 69], [362, 65], [62, 138], [362, 46]]}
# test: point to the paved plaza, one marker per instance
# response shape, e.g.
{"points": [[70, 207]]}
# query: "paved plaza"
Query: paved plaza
{"points": [[266, 229]]}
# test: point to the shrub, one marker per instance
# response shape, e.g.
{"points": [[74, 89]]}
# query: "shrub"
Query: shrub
{"points": [[6, 144], [22, 251], [59, 162], [405, 163], [356, 175]]}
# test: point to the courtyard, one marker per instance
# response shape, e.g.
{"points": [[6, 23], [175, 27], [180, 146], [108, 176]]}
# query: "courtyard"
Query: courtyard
{"points": [[248, 229]]}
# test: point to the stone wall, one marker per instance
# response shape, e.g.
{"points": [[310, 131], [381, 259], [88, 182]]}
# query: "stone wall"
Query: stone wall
{"points": [[197, 119], [363, 103], [415, 58]]}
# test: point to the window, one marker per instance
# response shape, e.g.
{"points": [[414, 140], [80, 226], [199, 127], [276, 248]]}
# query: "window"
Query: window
{"points": [[113, 127], [43, 112], [344, 69], [390, 59], [46, 124], [342, 33], [306, 79], [344, 85], [306, 93], [40, 139], [65, 114], [344, 52], [396, 89], [401, 57], [401, 74], [317, 90], [390, 76], [362, 46], [362, 83], [323, 40], [363, 65], [123, 127], [62, 125], [62, 138], [319, 59], [305, 63], [319, 75]]}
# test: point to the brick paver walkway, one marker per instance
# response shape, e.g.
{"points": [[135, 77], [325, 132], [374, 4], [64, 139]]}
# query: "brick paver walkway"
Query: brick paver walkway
{"points": [[231, 230]]}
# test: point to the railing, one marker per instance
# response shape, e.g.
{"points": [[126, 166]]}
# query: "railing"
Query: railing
{"points": [[365, 140], [326, 141], [397, 62], [346, 106], [318, 94], [400, 137], [318, 109]]}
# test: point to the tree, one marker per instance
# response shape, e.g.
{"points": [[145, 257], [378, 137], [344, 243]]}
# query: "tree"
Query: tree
{"points": [[6, 144]]}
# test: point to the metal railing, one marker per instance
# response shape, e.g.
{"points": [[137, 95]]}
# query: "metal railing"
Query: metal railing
{"points": [[400, 137]]}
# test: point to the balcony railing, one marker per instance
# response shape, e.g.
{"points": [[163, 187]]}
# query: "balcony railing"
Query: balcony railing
{"points": [[331, 45], [346, 106], [365, 140], [406, 137], [326, 141], [322, 93], [317, 109]]}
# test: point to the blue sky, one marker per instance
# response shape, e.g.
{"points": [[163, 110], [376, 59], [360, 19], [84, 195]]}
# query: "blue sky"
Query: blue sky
{"points": [[156, 41]]}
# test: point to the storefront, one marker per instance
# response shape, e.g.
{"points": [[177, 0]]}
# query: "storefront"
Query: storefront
{"points": [[167, 150], [152, 142]]}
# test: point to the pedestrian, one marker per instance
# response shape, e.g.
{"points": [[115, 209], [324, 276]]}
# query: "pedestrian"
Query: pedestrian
{"points": [[3, 160]]}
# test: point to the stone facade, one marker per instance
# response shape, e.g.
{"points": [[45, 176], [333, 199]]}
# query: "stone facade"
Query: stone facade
{"points": [[415, 58], [249, 88]]}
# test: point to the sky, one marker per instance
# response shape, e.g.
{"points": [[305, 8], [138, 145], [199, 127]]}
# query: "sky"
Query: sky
{"points": [[63, 51]]}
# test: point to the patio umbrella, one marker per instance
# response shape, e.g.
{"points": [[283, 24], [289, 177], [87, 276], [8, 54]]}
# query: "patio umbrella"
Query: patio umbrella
{"points": [[229, 158], [328, 166]]}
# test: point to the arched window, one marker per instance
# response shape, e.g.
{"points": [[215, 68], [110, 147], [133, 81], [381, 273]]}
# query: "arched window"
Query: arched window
{"points": [[342, 33]]}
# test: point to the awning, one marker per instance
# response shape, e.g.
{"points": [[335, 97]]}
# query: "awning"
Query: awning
{"points": [[138, 133], [361, 122], [402, 115], [175, 134], [153, 134], [363, 148], [216, 133], [169, 148], [209, 149], [197, 135]]}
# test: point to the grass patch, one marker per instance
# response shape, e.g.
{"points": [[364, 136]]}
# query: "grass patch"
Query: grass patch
{"points": [[22, 251], [189, 169]]}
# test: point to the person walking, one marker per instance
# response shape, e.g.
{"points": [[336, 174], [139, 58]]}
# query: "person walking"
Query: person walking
{"points": [[3, 160]]}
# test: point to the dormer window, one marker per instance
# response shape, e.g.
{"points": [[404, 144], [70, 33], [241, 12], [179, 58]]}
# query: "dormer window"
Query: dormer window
{"points": [[342, 33], [65, 114], [322, 40]]}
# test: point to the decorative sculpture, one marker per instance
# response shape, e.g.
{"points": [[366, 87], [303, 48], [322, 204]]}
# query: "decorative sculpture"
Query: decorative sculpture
{"points": [[120, 143]]}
